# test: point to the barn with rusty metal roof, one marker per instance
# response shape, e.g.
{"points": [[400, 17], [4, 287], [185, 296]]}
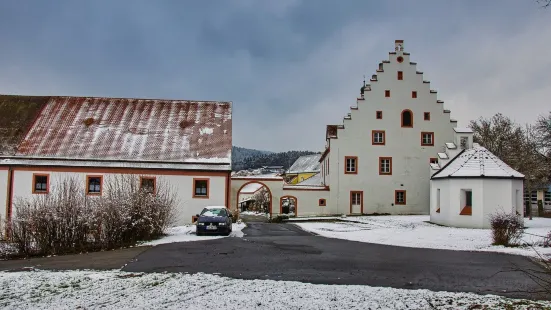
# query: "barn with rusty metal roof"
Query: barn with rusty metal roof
{"points": [[184, 143]]}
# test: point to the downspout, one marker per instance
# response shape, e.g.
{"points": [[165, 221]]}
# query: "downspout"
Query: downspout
{"points": [[9, 202]]}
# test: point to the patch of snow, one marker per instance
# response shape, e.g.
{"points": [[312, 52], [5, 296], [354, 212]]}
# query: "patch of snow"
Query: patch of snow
{"points": [[206, 131], [450, 145], [123, 290], [254, 213], [187, 233], [415, 231]]}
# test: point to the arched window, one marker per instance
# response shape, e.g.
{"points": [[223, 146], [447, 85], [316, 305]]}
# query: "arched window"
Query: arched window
{"points": [[407, 118]]}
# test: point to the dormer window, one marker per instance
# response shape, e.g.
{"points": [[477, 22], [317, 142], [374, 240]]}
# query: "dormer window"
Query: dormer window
{"points": [[407, 118], [463, 142]]}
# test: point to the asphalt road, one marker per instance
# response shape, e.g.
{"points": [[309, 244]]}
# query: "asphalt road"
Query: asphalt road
{"points": [[285, 252]]}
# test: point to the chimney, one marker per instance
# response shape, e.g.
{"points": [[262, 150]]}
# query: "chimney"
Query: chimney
{"points": [[399, 45]]}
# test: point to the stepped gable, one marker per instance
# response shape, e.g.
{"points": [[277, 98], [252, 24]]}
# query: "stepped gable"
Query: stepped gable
{"points": [[398, 55]]}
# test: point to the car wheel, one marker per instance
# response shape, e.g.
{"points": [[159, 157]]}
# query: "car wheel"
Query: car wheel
{"points": [[198, 233]]}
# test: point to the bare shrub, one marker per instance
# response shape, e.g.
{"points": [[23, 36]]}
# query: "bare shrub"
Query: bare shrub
{"points": [[127, 214], [507, 228], [54, 223], [67, 221]]}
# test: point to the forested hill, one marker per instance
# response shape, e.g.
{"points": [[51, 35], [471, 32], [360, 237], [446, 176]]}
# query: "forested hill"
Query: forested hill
{"points": [[243, 158]]}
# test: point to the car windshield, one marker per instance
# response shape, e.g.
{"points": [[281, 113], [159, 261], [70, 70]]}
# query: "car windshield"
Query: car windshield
{"points": [[213, 212]]}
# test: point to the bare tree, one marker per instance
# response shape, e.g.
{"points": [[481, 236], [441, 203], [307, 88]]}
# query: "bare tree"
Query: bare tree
{"points": [[518, 147], [262, 199], [543, 132], [544, 3]]}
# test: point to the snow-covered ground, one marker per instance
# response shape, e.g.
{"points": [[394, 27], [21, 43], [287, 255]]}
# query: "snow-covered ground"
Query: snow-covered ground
{"points": [[415, 231], [187, 233], [254, 213], [121, 290]]}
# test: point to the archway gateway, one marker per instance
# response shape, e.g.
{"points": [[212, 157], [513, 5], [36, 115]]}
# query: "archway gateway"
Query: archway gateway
{"points": [[262, 186], [288, 205]]}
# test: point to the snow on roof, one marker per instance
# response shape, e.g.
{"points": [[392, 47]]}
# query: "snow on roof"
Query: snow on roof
{"points": [[463, 130], [306, 163], [314, 180], [274, 176], [443, 155], [16, 161], [451, 145], [168, 131], [251, 188], [477, 162], [435, 166]]}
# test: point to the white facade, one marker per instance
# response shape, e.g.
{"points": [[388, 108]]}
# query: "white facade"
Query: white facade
{"points": [[396, 87], [307, 197], [474, 185], [180, 183]]}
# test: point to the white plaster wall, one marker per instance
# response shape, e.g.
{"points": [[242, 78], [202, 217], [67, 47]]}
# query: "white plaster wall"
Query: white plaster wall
{"points": [[182, 185], [308, 202], [409, 158], [489, 196], [3, 197]]}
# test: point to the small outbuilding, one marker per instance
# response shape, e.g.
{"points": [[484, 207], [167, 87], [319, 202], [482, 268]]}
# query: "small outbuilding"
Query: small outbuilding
{"points": [[471, 187]]}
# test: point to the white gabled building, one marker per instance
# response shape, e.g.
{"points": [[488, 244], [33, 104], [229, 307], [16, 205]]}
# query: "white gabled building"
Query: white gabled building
{"points": [[473, 185], [376, 161]]}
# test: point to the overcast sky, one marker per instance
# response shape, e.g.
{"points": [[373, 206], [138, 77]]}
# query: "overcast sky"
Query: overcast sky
{"points": [[290, 66]]}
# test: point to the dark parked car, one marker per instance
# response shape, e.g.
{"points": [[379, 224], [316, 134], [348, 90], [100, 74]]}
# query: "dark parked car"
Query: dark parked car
{"points": [[214, 220]]}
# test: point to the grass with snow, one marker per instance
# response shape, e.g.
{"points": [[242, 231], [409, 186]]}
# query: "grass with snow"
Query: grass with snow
{"points": [[415, 231], [122, 290]]}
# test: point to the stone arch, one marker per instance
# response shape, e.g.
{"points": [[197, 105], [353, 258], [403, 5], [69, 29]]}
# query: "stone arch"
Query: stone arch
{"points": [[259, 182], [281, 203]]}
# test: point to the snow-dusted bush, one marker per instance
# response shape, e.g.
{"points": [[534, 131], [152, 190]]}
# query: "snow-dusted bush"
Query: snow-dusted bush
{"points": [[507, 228], [126, 214], [67, 221]]}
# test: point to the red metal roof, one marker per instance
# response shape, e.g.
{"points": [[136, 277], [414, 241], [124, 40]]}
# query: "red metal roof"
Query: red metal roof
{"points": [[131, 129]]}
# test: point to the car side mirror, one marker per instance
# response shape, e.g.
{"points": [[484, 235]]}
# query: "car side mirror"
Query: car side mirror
{"points": [[197, 215]]}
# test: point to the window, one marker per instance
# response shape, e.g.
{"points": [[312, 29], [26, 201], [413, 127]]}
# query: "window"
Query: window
{"points": [[385, 165], [427, 138], [41, 184], [93, 185], [414, 94], [322, 203], [387, 93], [466, 201], [433, 160], [399, 197], [351, 165], [147, 184], [427, 116], [379, 114], [407, 118], [200, 188], [463, 142], [400, 75], [378, 137]]}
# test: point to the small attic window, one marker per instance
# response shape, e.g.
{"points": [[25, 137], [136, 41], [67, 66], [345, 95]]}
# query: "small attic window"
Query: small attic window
{"points": [[400, 59], [89, 121]]}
